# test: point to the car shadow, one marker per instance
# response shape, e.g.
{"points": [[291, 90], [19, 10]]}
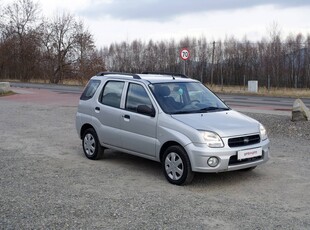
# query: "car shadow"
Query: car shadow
{"points": [[226, 178], [131, 162], [154, 169]]}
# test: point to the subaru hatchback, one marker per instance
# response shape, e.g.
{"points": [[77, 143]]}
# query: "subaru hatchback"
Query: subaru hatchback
{"points": [[170, 119]]}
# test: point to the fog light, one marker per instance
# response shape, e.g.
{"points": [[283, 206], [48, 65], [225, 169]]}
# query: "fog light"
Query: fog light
{"points": [[213, 161]]}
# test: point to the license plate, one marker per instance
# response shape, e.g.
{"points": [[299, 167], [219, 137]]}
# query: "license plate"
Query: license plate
{"points": [[249, 153]]}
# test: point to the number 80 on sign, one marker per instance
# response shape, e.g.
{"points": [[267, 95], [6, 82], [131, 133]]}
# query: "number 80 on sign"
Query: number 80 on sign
{"points": [[184, 54]]}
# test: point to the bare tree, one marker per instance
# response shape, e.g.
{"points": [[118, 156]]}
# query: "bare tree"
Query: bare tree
{"points": [[69, 48], [202, 55], [306, 82], [87, 59], [19, 30], [61, 34]]}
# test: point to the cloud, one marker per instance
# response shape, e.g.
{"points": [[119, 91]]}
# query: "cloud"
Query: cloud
{"points": [[163, 10]]}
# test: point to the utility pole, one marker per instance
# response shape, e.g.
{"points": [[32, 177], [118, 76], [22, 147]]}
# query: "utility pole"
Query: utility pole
{"points": [[222, 78], [212, 63]]}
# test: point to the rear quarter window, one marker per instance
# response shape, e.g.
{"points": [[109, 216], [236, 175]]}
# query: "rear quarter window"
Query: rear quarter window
{"points": [[90, 90]]}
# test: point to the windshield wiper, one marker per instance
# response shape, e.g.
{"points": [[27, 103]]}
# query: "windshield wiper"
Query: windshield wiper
{"points": [[183, 112], [208, 109]]}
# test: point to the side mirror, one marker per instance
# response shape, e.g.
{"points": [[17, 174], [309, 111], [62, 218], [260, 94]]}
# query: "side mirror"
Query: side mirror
{"points": [[144, 109]]}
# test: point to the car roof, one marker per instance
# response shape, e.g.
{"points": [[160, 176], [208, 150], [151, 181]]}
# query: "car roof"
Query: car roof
{"points": [[145, 77]]}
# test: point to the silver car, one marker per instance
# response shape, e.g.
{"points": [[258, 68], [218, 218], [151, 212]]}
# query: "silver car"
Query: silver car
{"points": [[170, 119]]}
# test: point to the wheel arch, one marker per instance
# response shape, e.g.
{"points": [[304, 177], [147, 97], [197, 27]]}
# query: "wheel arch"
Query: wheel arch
{"points": [[167, 145], [84, 128]]}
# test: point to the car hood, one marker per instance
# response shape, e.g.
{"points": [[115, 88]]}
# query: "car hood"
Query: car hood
{"points": [[225, 123]]}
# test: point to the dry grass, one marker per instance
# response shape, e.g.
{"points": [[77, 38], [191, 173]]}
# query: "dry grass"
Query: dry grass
{"points": [[263, 91]]}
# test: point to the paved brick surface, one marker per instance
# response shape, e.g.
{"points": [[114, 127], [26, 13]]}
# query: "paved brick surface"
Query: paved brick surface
{"points": [[43, 97]]}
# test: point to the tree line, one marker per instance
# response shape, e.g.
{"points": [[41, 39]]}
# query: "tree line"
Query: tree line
{"points": [[273, 62], [52, 49], [59, 48]]}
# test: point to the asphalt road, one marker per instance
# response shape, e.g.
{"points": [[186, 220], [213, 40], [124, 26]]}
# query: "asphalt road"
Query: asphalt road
{"points": [[54, 87]]}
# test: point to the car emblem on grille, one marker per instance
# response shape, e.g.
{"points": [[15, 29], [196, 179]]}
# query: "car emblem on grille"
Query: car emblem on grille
{"points": [[246, 140]]}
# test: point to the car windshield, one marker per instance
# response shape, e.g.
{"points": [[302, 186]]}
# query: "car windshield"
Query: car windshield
{"points": [[186, 97]]}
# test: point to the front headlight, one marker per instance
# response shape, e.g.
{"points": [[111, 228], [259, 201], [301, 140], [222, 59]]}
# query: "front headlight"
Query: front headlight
{"points": [[263, 132], [212, 139]]}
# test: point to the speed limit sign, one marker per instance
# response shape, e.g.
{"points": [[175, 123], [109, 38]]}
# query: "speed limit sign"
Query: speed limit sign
{"points": [[184, 54]]}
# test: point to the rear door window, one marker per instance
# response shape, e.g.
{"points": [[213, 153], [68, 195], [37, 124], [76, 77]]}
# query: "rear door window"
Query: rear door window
{"points": [[112, 93]]}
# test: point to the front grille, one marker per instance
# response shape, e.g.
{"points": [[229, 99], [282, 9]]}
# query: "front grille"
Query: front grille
{"points": [[243, 141], [233, 160]]}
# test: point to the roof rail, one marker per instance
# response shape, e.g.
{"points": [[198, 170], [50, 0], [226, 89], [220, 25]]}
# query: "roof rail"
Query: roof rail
{"points": [[135, 76], [167, 73]]}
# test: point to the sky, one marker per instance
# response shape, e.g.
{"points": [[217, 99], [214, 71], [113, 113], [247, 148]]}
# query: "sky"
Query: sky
{"points": [[126, 20]]}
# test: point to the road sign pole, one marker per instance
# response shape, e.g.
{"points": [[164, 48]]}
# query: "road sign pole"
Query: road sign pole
{"points": [[184, 54]]}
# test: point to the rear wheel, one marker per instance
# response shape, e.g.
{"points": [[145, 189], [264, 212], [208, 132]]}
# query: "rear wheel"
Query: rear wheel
{"points": [[91, 146], [176, 166]]}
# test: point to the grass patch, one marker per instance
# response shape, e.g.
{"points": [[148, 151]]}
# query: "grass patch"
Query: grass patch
{"points": [[7, 93]]}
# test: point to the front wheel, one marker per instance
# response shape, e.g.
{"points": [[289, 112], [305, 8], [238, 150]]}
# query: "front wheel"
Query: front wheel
{"points": [[91, 146], [176, 166]]}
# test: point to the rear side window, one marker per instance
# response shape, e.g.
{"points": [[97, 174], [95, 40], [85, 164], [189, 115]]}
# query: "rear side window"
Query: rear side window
{"points": [[90, 90], [112, 93]]}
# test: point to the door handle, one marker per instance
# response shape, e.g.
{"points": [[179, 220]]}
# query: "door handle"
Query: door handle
{"points": [[97, 109], [126, 116]]}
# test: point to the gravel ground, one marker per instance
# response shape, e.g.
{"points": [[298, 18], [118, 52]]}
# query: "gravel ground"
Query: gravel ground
{"points": [[47, 183]]}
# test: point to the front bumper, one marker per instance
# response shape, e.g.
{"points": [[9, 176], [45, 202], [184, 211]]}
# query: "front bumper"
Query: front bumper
{"points": [[199, 155]]}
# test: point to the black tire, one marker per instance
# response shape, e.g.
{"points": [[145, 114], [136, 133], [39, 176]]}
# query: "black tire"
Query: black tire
{"points": [[176, 166], [91, 146]]}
